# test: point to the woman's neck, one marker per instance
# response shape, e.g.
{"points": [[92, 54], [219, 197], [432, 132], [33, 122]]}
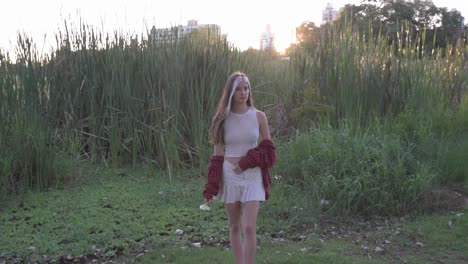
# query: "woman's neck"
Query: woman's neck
{"points": [[239, 108]]}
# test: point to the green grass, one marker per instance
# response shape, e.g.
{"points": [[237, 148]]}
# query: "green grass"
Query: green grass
{"points": [[291, 252], [113, 213], [118, 214]]}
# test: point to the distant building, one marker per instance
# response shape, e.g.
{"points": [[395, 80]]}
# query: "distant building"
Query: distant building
{"points": [[177, 33], [267, 39], [328, 14]]}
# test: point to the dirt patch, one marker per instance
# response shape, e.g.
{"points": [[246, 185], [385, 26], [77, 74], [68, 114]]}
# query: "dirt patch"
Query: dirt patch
{"points": [[386, 238], [442, 200]]}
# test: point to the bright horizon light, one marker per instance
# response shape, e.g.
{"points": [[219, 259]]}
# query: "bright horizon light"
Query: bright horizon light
{"points": [[242, 21]]}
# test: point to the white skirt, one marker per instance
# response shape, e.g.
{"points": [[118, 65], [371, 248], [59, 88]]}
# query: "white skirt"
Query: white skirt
{"points": [[243, 187]]}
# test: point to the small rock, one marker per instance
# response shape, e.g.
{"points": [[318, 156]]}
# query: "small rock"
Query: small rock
{"points": [[324, 202], [450, 224], [179, 232], [459, 214], [139, 256], [420, 244], [379, 250], [279, 240], [304, 250], [197, 244], [33, 248], [387, 242], [205, 207]]}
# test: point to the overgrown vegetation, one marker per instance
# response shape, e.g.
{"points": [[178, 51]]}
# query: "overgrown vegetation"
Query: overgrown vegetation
{"points": [[134, 101], [364, 127]]}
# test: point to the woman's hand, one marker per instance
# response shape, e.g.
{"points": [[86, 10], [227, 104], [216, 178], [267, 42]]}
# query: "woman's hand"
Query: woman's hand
{"points": [[238, 170], [234, 161], [208, 201]]}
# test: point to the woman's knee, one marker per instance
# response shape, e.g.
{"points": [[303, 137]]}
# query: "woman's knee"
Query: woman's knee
{"points": [[235, 228], [250, 229]]}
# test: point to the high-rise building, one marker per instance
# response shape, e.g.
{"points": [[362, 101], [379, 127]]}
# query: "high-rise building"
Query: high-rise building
{"points": [[328, 14], [267, 39]]}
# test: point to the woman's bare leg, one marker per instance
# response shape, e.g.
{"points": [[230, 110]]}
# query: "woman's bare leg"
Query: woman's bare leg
{"points": [[249, 223], [234, 212]]}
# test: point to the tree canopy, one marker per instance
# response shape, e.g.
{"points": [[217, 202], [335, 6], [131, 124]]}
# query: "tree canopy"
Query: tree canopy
{"points": [[388, 17]]}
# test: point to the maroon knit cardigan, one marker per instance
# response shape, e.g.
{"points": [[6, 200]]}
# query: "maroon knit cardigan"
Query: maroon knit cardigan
{"points": [[263, 156]]}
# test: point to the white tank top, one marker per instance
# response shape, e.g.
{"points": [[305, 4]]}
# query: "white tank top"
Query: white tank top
{"points": [[241, 132]]}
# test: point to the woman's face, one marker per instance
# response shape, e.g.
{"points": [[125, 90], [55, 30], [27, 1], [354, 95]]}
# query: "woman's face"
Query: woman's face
{"points": [[241, 94]]}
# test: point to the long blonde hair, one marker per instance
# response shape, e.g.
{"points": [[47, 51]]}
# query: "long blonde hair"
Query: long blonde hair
{"points": [[224, 105]]}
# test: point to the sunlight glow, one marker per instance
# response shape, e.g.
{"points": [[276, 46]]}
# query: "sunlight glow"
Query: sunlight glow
{"points": [[242, 21]]}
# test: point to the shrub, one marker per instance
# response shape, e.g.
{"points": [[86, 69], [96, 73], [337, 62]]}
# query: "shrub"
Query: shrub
{"points": [[361, 173]]}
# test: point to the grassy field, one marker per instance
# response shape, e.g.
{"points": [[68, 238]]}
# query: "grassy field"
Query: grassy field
{"points": [[105, 146], [126, 215]]}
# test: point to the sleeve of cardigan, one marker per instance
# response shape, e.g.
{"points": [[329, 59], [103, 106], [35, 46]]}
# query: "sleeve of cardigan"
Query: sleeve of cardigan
{"points": [[263, 156], [215, 170]]}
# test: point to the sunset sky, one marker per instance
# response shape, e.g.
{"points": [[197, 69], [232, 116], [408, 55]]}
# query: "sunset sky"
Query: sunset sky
{"points": [[243, 21]]}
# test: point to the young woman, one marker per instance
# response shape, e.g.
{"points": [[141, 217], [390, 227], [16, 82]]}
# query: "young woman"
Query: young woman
{"points": [[238, 173]]}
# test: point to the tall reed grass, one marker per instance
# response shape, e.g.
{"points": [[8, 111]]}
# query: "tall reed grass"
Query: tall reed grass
{"points": [[131, 100], [367, 77], [128, 100], [365, 174]]}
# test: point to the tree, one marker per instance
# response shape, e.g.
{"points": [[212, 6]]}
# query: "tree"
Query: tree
{"points": [[416, 16], [308, 32], [452, 26], [426, 14], [362, 17]]}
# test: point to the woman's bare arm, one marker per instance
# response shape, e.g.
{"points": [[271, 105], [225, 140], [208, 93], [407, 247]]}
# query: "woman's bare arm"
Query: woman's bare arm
{"points": [[219, 150], [263, 123]]}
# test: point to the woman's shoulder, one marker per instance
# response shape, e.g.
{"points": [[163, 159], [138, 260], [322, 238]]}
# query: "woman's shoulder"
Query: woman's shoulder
{"points": [[260, 114]]}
